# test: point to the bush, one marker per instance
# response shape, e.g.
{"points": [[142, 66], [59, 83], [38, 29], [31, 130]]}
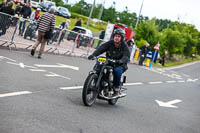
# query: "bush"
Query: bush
{"points": [[78, 16]]}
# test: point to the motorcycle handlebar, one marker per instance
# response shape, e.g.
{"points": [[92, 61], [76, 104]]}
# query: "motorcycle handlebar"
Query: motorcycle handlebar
{"points": [[108, 59]]}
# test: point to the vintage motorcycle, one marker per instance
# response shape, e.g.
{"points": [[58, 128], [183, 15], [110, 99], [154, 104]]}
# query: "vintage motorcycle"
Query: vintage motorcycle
{"points": [[99, 83]]}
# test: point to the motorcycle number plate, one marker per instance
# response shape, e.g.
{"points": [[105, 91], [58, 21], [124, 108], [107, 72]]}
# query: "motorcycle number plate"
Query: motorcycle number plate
{"points": [[102, 60]]}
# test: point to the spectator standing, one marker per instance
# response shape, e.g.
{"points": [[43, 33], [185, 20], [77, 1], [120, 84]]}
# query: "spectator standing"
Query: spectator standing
{"points": [[26, 13], [143, 53], [101, 37], [130, 44], [64, 26], [5, 19], [17, 13], [35, 15], [3, 4], [18, 9], [18, 1], [78, 23], [45, 23], [164, 57]]}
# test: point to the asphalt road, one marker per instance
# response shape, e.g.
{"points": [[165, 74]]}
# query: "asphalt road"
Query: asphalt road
{"points": [[44, 96]]}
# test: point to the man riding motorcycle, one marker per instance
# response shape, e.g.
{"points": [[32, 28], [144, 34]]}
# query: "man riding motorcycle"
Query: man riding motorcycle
{"points": [[117, 50]]}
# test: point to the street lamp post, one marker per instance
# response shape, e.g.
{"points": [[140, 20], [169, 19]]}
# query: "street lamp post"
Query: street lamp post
{"points": [[90, 14], [101, 11], [139, 14]]}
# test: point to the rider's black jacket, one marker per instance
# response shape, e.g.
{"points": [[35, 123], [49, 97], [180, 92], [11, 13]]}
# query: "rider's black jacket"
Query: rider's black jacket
{"points": [[120, 53]]}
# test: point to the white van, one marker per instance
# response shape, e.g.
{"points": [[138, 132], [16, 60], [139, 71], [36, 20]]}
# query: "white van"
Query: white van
{"points": [[35, 3]]}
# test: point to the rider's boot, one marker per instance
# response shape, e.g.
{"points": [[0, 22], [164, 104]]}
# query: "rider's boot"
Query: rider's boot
{"points": [[116, 93]]}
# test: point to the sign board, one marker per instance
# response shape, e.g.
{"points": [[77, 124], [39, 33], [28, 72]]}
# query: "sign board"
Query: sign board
{"points": [[150, 55], [108, 32], [111, 27]]}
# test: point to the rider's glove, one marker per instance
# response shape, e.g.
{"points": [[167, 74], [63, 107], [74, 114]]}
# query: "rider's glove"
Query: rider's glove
{"points": [[119, 61], [90, 57]]}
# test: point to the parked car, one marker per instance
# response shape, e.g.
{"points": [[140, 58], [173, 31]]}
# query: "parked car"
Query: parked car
{"points": [[64, 12], [84, 37], [46, 5], [35, 3]]}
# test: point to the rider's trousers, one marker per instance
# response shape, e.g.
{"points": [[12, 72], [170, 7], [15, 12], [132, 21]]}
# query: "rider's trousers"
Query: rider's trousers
{"points": [[117, 71]]}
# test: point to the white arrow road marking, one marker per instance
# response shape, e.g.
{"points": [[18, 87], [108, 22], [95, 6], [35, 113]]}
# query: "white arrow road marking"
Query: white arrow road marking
{"points": [[71, 88], [58, 66], [15, 93], [3, 57], [159, 82], [21, 65], [192, 80], [168, 104], [56, 75]]}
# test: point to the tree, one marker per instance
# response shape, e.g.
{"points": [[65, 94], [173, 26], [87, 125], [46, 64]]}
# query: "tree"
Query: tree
{"points": [[127, 18], [59, 2], [110, 14], [147, 31], [172, 40], [163, 23], [82, 8]]}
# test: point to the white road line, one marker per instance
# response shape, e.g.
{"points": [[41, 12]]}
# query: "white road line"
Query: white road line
{"points": [[181, 81], [15, 93], [56, 75], [159, 82], [127, 84], [37, 70], [171, 81], [71, 88], [58, 66], [21, 65]]}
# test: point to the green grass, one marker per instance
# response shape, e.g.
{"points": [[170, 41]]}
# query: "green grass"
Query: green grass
{"points": [[94, 27], [60, 19], [170, 63]]}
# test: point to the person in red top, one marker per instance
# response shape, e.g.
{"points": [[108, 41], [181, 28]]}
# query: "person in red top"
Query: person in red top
{"points": [[35, 15]]}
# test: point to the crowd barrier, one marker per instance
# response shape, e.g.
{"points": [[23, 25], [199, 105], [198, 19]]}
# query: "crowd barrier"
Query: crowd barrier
{"points": [[62, 41], [20, 33]]}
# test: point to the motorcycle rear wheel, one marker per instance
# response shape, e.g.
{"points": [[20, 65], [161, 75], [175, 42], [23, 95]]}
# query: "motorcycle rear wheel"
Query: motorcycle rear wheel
{"points": [[90, 92]]}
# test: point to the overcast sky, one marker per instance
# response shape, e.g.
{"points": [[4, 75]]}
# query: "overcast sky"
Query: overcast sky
{"points": [[186, 10]]}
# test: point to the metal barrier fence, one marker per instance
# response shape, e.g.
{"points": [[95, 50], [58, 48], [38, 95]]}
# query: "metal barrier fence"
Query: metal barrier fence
{"points": [[21, 33]]}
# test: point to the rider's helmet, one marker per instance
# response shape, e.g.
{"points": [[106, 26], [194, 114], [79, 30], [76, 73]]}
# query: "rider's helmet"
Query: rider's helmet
{"points": [[120, 31]]}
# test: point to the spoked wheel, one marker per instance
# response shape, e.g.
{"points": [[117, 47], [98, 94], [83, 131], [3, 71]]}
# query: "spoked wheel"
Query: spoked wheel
{"points": [[90, 91]]}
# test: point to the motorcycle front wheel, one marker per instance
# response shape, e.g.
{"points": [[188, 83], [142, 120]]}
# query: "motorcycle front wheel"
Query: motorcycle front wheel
{"points": [[90, 91]]}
